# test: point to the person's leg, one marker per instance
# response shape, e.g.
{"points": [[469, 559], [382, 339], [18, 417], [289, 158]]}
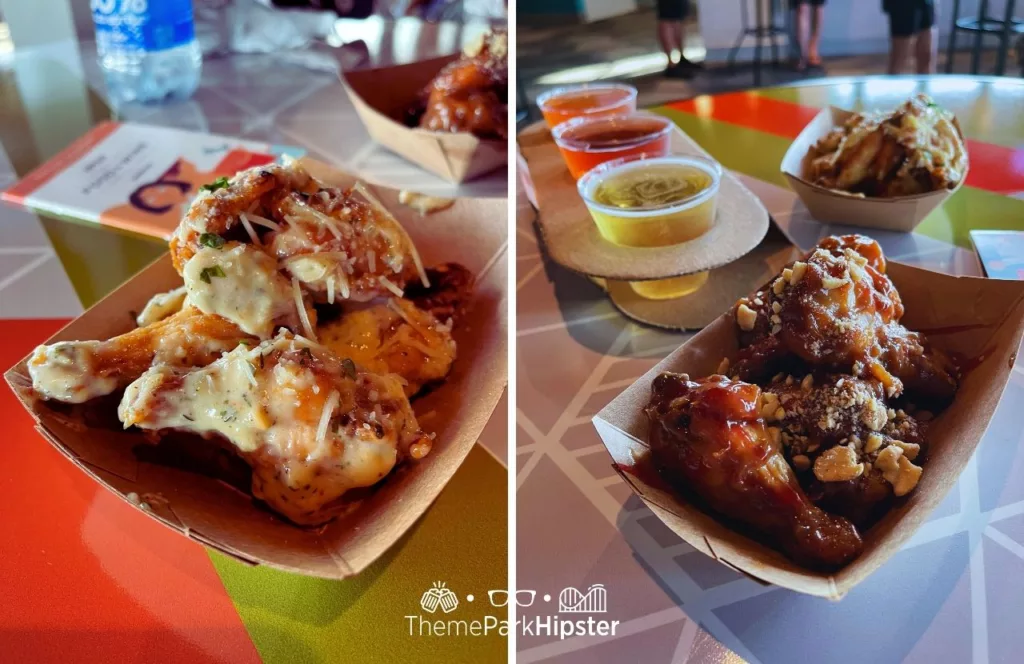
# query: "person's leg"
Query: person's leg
{"points": [[926, 48], [899, 53], [903, 25], [817, 18], [666, 35], [803, 19]]}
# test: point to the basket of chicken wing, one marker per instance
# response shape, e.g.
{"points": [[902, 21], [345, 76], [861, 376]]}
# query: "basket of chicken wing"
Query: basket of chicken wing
{"points": [[803, 436]]}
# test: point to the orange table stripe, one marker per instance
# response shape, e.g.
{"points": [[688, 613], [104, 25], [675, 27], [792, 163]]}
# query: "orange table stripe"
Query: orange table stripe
{"points": [[994, 168], [85, 577]]}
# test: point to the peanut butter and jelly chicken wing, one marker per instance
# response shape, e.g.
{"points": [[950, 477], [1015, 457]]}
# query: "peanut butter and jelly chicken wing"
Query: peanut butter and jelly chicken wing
{"points": [[471, 94], [837, 310], [709, 435]]}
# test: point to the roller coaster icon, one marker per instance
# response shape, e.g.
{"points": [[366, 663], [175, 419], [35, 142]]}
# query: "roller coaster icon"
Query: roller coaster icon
{"points": [[595, 600]]}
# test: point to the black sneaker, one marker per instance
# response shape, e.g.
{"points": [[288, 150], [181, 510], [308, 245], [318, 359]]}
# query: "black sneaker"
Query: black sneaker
{"points": [[680, 71]]}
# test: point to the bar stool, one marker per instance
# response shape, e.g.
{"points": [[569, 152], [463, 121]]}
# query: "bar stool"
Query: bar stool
{"points": [[981, 25], [765, 28]]}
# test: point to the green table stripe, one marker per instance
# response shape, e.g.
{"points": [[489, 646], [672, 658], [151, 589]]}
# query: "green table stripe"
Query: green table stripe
{"points": [[461, 540]]}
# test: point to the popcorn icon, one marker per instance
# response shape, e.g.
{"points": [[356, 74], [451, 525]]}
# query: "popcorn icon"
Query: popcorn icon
{"points": [[439, 596]]}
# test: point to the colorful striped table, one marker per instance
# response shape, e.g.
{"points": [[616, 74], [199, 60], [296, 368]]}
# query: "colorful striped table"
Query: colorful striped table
{"points": [[84, 577], [951, 595]]}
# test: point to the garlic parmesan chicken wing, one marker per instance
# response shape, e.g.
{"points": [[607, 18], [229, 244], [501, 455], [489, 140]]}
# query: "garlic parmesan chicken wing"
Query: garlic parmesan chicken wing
{"points": [[709, 436], [336, 244], [837, 310], [77, 371], [343, 244], [916, 148], [311, 426]]}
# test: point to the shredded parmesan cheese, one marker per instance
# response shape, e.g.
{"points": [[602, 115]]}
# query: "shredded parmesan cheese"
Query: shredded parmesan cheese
{"points": [[325, 416], [330, 290], [390, 285], [324, 219], [303, 316], [248, 229], [263, 221], [248, 372], [361, 188]]}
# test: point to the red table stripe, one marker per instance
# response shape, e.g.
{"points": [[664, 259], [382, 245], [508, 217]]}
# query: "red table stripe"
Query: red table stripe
{"points": [[85, 577], [994, 168]]}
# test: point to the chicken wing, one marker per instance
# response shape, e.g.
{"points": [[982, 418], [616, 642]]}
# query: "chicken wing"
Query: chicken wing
{"points": [[216, 213], [394, 338], [77, 371], [837, 311], [343, 244], [916, 148], [311, 426], [471, 94], [709, 436], [241, 283], [834, 429]]}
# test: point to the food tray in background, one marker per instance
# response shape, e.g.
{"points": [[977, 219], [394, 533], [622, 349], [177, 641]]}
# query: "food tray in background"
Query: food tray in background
{"points": [[382, 97], [899, 213]]}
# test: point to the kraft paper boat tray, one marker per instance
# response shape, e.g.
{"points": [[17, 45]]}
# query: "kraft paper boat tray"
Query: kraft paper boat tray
{"points": [[979, 319], [383, 96], [900, 213], [213, 513]]}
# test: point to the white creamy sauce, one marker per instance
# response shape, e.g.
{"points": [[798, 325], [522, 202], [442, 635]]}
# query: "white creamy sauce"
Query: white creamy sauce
{"points": [[162, 305], [242, 284], [65, 372], [273, 423]]}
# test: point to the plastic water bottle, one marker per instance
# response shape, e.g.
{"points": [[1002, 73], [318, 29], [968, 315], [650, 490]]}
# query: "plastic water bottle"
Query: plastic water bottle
{"points": [[147, 48]]}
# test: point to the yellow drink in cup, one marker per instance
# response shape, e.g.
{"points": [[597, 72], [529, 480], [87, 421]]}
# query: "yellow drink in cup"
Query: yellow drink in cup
{"points": [[654, 202]]}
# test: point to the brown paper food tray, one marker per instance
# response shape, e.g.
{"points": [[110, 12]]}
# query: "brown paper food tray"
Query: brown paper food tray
{"points": [[211, 512], [901, 213], [573, 241], [975, 318], [383, 95]]}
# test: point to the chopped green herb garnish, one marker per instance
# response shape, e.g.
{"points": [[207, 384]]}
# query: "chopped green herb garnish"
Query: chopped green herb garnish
{"points": [[207, 272], [211, 240], [350, 368], [219, 183]]}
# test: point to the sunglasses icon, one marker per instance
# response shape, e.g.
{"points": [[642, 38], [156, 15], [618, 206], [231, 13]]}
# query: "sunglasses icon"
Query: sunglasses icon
{"points": [[499, 598]]}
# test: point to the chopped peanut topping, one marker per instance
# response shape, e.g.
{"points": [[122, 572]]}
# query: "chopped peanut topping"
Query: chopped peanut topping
{"points": [[873, 443], [831, 282], [745, 317], [779, 286], [801, 462], [837, 464], [907, 477], [799, 268], [910, 450], [807, 383]]}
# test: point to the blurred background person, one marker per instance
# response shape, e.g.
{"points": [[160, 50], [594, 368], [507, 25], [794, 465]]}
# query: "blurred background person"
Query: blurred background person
{"points": [[809, 17], [671, 14], [912, 29]]}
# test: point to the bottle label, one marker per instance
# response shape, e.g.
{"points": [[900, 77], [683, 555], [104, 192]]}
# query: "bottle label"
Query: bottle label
{"points": [[142, 25]]}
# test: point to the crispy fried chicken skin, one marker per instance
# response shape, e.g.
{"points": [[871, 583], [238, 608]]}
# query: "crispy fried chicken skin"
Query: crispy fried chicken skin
{"points": [[471, 94], [709, 435], [837, 310]]}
